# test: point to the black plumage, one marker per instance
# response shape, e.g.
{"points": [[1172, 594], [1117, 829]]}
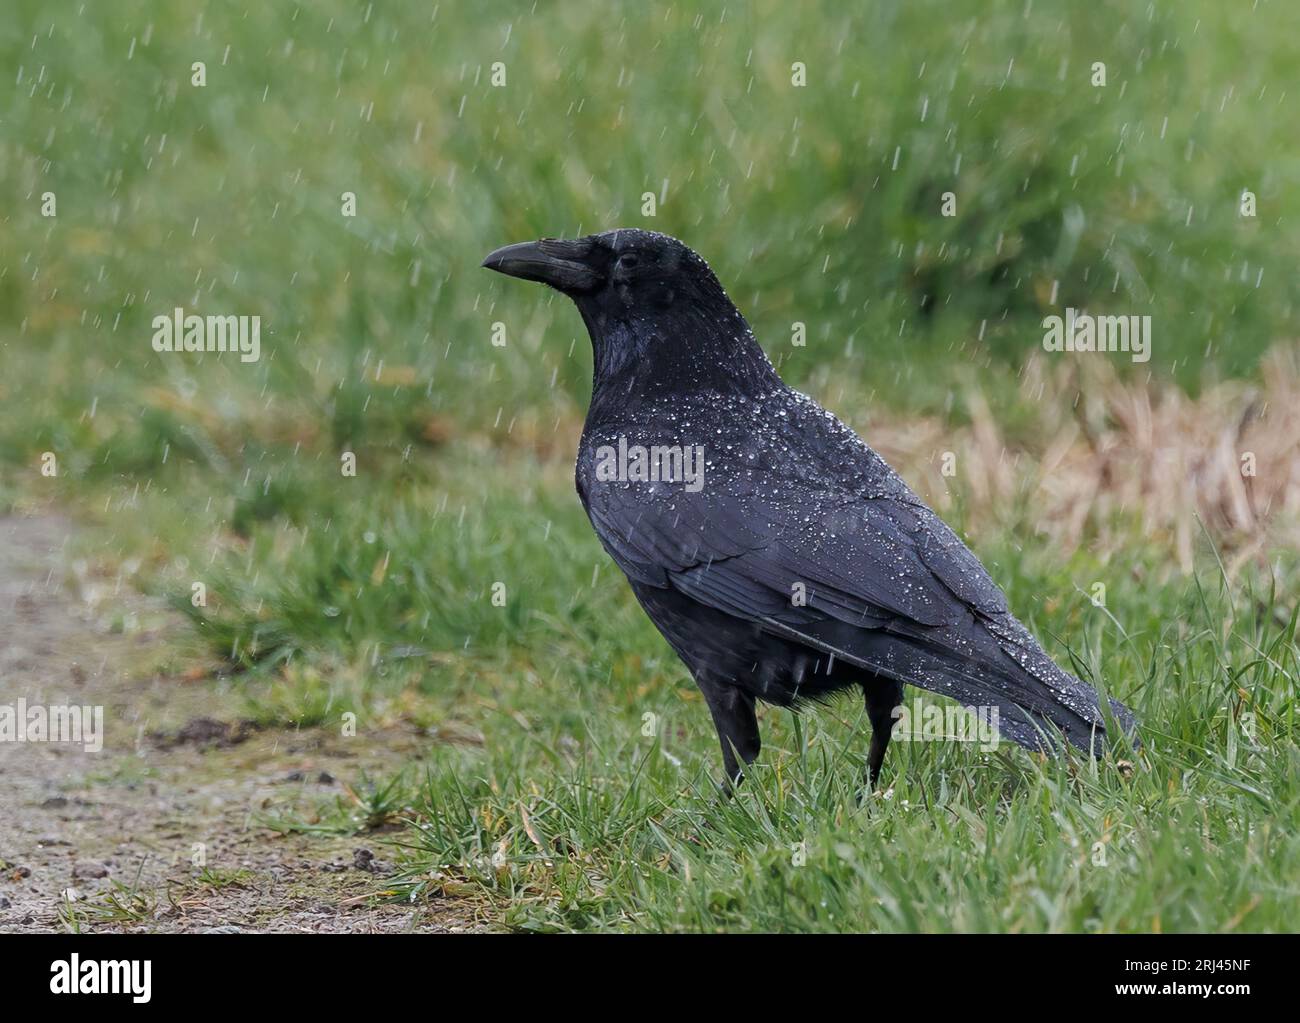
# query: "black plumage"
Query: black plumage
{"points": [[798, 563]]}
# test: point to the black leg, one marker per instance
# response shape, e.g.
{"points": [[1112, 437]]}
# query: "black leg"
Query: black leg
{"points": [[883, 695], [737, 724]]}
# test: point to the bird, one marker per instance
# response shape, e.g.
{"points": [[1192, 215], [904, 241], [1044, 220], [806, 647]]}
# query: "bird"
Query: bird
{"points": [[781, 558]]}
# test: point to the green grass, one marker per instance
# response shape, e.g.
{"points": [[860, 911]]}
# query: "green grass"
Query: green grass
{"points": [[590, 824], [370, 805], [371, 594], [1197, 838], [117, 903]]}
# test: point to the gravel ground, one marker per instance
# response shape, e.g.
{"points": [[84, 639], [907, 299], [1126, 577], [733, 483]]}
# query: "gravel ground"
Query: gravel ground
{"points": [[107, 840]]}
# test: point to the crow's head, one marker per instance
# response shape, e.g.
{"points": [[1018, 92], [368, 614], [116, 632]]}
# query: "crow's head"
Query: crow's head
{"points": [[627, 269], [648, 302]]}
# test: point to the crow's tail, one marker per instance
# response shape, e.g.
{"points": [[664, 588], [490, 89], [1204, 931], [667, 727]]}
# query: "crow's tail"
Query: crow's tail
{"points": [[986, 663]]}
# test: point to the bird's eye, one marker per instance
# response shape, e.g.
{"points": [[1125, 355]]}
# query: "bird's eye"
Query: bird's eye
{"points": [[628, 260]]}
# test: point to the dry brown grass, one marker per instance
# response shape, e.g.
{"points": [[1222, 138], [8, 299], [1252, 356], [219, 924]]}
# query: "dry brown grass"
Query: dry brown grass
{"points": [[1108, 455]]}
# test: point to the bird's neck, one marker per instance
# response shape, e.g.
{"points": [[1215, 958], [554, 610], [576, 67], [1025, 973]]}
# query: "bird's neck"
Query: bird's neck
{"points": [[689, 352]]}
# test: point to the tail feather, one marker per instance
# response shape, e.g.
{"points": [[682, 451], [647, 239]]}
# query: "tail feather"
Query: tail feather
{"points": [[987, 662]]}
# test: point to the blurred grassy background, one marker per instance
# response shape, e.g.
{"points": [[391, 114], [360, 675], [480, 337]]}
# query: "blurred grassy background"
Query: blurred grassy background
{"points": [[817, 204]]}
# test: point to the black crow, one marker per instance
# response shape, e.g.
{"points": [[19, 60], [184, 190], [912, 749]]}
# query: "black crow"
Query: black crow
{"points": [[777, 553]]}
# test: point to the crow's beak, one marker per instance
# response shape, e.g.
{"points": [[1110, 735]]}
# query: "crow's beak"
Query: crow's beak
{"points": [[550, 261]]}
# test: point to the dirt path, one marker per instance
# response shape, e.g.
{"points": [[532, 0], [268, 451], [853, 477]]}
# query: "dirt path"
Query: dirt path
{"points": [[108, 840]]}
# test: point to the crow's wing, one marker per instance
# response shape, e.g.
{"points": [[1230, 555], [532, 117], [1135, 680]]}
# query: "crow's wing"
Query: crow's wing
{"points": [[880, 582]]}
